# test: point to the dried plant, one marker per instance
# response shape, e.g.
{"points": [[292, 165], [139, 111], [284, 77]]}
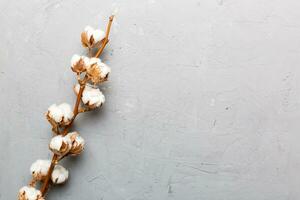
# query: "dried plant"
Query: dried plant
{"points": [[90, 72]]}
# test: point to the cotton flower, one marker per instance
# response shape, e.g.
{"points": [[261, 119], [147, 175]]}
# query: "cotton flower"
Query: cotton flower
{"points": [[91, 97], [77, 143], [97, 71], [39, 169], [60, 145], [59, 174], [61, 114], [29, 193], [79, 63], [91, 37]]}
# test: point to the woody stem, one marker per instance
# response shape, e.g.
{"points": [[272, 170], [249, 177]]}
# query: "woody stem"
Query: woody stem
{"points": [[76, 107], [49, 173], [105, 40]]}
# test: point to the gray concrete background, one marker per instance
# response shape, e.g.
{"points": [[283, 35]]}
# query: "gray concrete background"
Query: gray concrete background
{"points": [[202, 102]]}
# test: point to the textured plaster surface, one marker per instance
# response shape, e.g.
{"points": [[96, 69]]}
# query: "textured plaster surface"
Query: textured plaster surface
{"points": [[202, 102]]}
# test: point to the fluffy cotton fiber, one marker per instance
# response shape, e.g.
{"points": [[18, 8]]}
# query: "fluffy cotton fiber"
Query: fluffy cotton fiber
{"points": [[40, 168], [59, 175], [29, 193], [60, 113], [77, 143], [60, 145], [91, 96]]}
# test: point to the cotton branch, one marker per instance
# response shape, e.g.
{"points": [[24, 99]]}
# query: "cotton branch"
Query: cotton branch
{"points": [[76, 107], [61, 117]]}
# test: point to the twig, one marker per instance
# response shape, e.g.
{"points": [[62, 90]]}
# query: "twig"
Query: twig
{"points": [[105, 40]]}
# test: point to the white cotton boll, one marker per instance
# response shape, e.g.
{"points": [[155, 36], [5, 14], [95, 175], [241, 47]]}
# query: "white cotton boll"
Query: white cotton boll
{"points": [[60, 145], [59, 175], [61, 114], [56, 142], [75, 59], [77, 143], [55, 113], [105, 70], [39, 169], [29, 193], [89, 31], [91, 96], [97, 71], [79, 63], [98, 35], [91, 37], [67, 111]]}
